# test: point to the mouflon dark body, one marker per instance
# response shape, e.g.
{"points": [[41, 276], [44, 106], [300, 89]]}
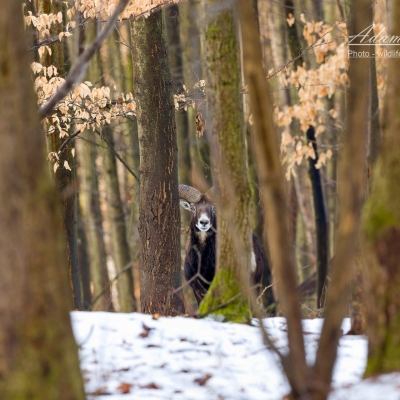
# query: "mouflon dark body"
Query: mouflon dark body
{"points": [[201, 253]]}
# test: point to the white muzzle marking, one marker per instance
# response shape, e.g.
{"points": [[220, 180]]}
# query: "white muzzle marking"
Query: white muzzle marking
{"points": [[203, 223]]}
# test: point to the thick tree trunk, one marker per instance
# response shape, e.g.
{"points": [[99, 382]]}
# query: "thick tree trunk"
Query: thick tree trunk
{"points": [[357, 303], [272, 188], [229, 157], [159, 227], [382, 232], [63, 177], [38, 355], [351, 178]]}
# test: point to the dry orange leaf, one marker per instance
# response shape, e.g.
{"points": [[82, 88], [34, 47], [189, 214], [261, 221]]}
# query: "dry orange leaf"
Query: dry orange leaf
{"points": [[124, 387]]}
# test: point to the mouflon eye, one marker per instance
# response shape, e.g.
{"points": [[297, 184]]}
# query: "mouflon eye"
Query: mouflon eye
{"points": [[192, 208]]}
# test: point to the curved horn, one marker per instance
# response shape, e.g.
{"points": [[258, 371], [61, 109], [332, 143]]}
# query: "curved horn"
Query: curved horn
{"points": [[189, 193]]}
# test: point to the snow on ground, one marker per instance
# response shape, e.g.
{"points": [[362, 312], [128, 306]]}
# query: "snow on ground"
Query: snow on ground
{"points": [[133, 356]]}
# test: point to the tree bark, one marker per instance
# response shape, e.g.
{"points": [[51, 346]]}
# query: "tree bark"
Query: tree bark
{"points": [[116, 217], [91, 213], [382, 234], [63, 178], [351, 190], [84, 263], [321, 222], [38, 354], [115, 213], [358, 299], [189, 12], [181, 116], [229, 159], [159, 227], [272, 189]]}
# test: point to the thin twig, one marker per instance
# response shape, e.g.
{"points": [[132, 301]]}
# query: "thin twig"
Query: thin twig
{"points": [[102, 291], [305, 51], [119, 157], [187, 283], [71, 137]]}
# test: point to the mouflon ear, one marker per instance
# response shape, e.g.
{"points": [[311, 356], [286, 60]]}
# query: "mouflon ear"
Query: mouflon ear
{"points": [[185, 204]]}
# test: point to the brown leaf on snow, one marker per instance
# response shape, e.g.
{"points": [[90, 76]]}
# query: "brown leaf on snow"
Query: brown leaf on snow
{"points": [[151, 385], [100, 391], [146, 331], [125, 388], [202, 381], [126, 369]]}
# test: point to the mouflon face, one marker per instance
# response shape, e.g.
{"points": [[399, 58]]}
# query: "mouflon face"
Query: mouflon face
{"points": [[203, 214]]}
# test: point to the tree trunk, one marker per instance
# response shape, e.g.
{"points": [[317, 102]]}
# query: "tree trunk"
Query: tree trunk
{"points": [[115, 213], [229, 157], [32, 32], [159, 229], [351, 190], [63, 177], [273, 195], [119, 245], [84, 263], [382, 233], [192, 72], [357, 304], [91, 213], [38, 354], [321, 223], [181, 116]]}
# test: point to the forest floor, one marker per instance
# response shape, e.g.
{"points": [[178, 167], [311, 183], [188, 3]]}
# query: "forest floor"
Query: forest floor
{"points": [[133, 356]]}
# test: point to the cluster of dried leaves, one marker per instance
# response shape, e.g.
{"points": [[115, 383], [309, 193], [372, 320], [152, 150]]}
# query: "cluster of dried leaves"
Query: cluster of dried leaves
{"points": [[194, 97], [104, 8], [86, 106], [313, 85]]}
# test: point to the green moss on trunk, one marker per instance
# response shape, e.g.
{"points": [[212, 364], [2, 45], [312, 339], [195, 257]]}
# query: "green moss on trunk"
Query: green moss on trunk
{"points": [[229, 161], [382, 235], [225, 298]]}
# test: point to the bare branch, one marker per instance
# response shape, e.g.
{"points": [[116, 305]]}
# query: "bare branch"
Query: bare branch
{"points": [[102, 291], [52, 39], [82, 63], [119, 158], [65, 143]]}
